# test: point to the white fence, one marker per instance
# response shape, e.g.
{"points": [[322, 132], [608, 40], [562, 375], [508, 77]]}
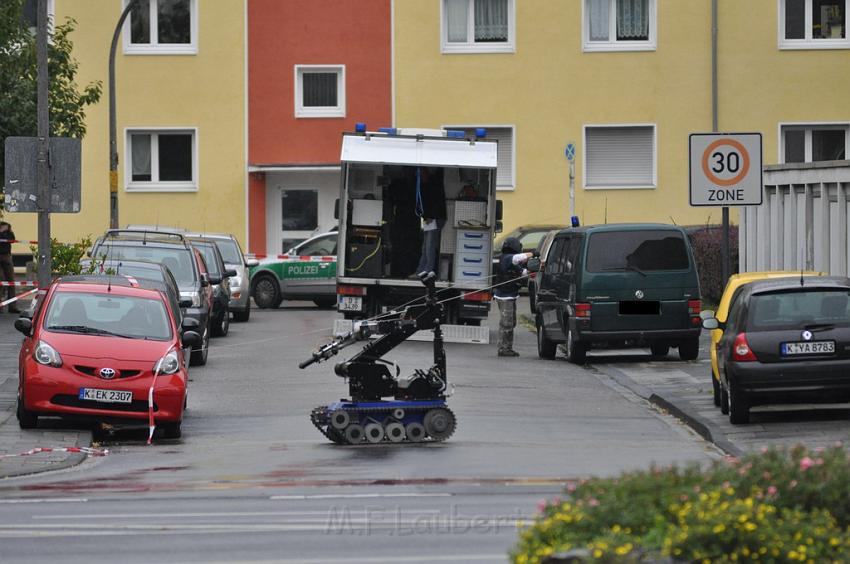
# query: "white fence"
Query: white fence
{"points": [[802, 223]]}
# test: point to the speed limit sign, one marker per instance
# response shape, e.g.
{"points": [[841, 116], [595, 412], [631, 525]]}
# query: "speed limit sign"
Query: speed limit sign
{"points": [[725, 169]]}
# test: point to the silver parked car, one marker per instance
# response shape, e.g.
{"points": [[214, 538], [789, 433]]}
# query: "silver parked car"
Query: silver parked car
{"points": [[231, 252]]}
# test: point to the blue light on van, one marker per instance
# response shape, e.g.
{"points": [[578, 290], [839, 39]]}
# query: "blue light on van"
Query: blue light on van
{"points": [[455, 134], [480, 132], [360, 127], [574, 221], [388, 130]]}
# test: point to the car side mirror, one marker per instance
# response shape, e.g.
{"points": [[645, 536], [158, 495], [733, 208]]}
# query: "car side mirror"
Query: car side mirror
{"points": [[214, 279], [230, 273], [185, 303], [24, 325], [710, 323], [533, 265], [191, 339], [205, 280], [498, 210], [190, 323], [251, 262], [336, 208]]}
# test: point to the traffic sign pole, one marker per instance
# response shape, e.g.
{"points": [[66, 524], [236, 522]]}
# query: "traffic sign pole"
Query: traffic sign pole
{"points": [[570, 153]]}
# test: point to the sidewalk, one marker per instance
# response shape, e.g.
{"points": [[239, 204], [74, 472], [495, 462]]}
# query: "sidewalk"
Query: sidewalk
{"points": [[49, 434]]}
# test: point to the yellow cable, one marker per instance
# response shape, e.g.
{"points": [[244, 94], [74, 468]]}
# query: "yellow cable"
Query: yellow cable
{"points": [[378, 246]]}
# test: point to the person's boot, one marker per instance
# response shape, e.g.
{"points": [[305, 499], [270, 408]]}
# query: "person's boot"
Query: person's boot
{"points": [[508, 352]]}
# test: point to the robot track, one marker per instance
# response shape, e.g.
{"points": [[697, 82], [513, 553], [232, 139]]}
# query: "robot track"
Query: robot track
{"points": [[355, 423]]}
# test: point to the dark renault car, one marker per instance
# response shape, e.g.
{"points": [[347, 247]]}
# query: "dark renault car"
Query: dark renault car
{"points": [[185, 263], [785, 340], [219, 276], [619, 285]]}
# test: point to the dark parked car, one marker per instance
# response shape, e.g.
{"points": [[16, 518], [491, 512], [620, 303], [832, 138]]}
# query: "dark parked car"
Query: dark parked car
{"points": [[220, 281], [185, 263], [785, 340], [619, 285]]}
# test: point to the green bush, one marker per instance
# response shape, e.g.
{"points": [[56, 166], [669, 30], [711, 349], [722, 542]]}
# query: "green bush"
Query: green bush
{"points": [[67, 256], [780, 505]]}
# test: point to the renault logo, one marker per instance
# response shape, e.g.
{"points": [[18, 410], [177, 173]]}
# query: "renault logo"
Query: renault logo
{"points": [[639, 294], [107, 373], [807, 335]]}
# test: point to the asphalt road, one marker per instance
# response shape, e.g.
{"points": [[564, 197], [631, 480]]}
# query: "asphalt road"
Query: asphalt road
{"points": [[252, 480]]}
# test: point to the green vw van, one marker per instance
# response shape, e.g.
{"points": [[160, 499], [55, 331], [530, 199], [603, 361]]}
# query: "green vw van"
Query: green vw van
{"points": [[619, 286]]}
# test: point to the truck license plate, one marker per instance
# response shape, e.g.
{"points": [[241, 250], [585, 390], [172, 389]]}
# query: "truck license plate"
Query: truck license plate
{"points": [[350, 303], [808, 347], [108, 396]]}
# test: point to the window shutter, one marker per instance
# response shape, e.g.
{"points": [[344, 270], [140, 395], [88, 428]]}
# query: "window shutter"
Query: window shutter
{"points": [[620, 156]]}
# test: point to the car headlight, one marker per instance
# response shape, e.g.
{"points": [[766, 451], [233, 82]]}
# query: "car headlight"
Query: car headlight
{"points": [[194, 296], [47, 355], [235, 281], [169, 364]]}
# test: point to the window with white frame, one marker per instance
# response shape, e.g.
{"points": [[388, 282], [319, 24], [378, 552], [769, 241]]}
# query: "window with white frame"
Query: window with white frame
{"points": [[620, 156], [479, 26], [29, 14], [505, 153], [162, 27], [319, 91], [813, 24], [161, 160], [619, 25], [802, 143]]}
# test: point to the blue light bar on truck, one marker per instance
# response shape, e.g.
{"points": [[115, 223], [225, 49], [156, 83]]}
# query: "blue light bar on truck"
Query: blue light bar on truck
{"points": [[480, 132], [360, 127], [455, 133], [388, 130]]}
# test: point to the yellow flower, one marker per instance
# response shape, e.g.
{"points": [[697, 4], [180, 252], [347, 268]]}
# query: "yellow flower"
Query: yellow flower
{"points": [[719, 528], [597, 553]]}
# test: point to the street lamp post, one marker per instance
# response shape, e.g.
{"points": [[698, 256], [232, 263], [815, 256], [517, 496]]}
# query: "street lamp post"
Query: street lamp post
{"points": [[113, 147]]}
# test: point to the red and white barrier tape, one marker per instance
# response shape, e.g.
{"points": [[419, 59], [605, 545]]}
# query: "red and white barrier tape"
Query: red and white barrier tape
{"points": [[24, 283], [91, 451], [19, 241], [18, 297], [305, 258]]}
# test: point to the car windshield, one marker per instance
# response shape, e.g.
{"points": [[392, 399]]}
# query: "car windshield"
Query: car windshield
{"points": [[799, 309], [229, 251], [137, 271], [108, 314], [208, 252], [177, 259], [609, 251]]}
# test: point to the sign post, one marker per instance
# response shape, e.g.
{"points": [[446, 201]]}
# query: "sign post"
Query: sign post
{"points": [[570, 153], [725, 170]]}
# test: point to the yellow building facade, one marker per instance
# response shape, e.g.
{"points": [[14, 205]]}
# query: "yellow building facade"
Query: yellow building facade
{"points": [[626, 81], [181, 117]]}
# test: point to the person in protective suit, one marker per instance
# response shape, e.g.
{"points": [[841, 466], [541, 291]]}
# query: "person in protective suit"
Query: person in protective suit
{"points": [[510, 277]]}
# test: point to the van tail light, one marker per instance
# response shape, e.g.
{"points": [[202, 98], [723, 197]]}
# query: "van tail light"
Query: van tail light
{"points": [[479, 296], [741, 351], [694, 308], [583, 311], [351, 290]]}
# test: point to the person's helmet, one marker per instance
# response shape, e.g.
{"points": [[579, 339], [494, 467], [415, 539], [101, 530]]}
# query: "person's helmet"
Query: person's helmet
{"points": [[512, 246]]}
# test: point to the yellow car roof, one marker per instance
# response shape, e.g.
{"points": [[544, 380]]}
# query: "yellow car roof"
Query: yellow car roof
{"points": [[738, 280]]}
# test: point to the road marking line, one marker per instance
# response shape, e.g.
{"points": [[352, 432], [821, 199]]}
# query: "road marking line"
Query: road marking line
{"points": [[358, 496], [46, 500], [187, 515]]}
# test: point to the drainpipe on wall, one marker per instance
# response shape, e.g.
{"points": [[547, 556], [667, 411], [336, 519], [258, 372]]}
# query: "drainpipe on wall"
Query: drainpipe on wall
{"points": [[725, 269]]}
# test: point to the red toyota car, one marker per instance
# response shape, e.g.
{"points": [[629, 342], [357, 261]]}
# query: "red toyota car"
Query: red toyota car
{"points": [[94, 348]]}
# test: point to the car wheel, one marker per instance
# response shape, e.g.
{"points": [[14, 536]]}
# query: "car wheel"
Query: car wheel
{"points": [[222, 324], [689, 350], [26, 418], [545, 347], [243, 316], [659, 350], [172, 430], [325, 303], [267, 292], [532, 299], [715, 388], [739, 407], [576, 352], [199, 357]]}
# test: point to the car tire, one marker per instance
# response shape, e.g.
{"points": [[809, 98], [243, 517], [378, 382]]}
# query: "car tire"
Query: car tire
{"points": [[172, 430], [222, 324], [724, 399], [532, 299], [325, 303], [266, 292], [659, 350], [199, 357], [546, 348], [26, 418], [715, 389], [243, 316], [576, 352], [739, 406], [689, 350]]}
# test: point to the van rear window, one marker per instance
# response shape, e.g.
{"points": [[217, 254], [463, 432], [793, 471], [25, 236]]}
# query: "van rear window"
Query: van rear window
{"points": [[636, 250]]}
